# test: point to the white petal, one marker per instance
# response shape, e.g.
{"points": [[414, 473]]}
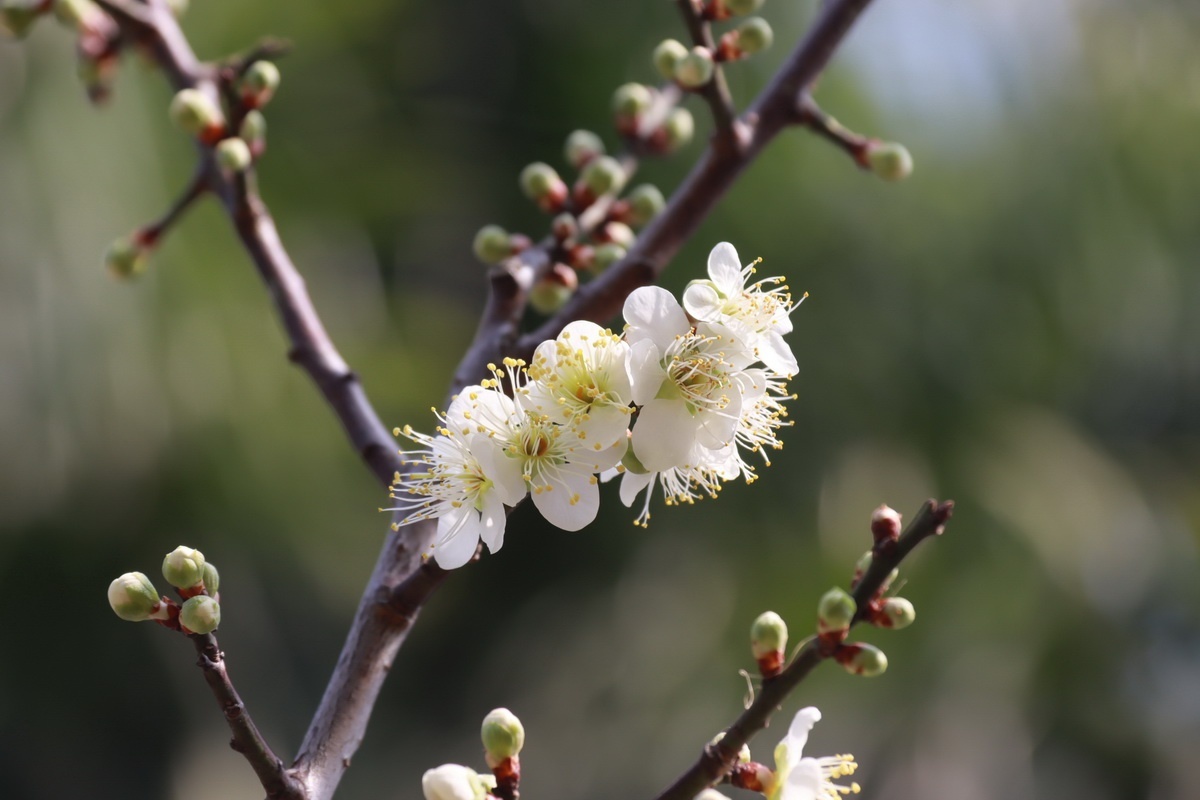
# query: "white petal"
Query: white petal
{"points": [[702, 300], [492, 520], [797, 735], [645, 371], [716, 428], [632, 485], [653, 312], [606, 426], [804, 782], [663, 434], [502, 471], [725, 269], [570, 500], [777, 355], [457, 537]]}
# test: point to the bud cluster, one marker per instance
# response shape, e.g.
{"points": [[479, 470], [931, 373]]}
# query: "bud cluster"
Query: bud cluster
{"points": [[677, 401], [693, 68], [134, 598], [236, 130]]}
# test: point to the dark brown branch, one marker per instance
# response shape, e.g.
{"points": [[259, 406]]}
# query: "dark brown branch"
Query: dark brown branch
{"points": [[708, 181], [274, 776], [717, 759], [728, 134]]}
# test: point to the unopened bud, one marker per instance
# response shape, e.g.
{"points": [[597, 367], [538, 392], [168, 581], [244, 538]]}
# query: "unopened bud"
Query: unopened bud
{"points": [[743, 755], [581, 147], [631, 100], [183, 567], [695, 69], [679, 128], [455, 782], [133, 597], [743, 7], [253, 132], [564, 226], [897, 613], [862, 659], [196, 113], [554, 290], [200, 614], [233, 154], [127, 257], [541, 184], [97, 75], [768, 634], [835, 612], [617, 233], [212, 579], [492, 244], [604, 257], [645, 203], [76, 13], [754, 35], [667, 56], [885, 524], [18, 16], [889, 160], [178, 7], [259, 83], [502, 734], [603, 175]]}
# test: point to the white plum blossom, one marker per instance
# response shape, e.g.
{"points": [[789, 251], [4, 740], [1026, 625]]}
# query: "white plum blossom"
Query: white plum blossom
{"points": [[759, 312], [465, 483], [582, 378], [684, 378], [455, 782], [806, 778]]}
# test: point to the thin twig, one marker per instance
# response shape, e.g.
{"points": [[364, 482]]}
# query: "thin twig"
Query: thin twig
{"points": [[274, 776], [727, 135], [196, 187], [810, 115], [717, 759]]}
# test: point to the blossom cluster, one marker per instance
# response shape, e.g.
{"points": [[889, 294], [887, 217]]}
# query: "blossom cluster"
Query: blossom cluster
{"points": [[676, 400]]}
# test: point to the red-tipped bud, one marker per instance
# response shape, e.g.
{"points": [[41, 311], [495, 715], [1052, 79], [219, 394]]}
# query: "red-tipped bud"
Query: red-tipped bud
{"points": [[885, 525]]}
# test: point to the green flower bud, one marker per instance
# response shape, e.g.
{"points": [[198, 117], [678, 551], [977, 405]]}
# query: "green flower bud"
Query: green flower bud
{"points": [[835, 611], [581, 147], [539, 181], [631, 100], [898, 613], [253, 132], [233, 154], [259, 83], [178, 7], [645, 203], [617, 233], [18, 16], [667, 56], [603, 175], [768, 634], [754, 35], [742, 7], [126, 257], [680, 127], [553, 291], [212, 578], [196, 113], [183, 567], [743, 754], [502, 734], [862, 659], [696, 68], [133, 597], [455, 782], [604, 257], [76, 13], [889, 160], [492, 245], [200, 614]]}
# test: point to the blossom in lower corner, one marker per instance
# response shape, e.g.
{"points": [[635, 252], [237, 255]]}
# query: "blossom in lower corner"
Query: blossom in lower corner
{"points": [[806, 778], [455, 782], [463, 480], [759, 312]]}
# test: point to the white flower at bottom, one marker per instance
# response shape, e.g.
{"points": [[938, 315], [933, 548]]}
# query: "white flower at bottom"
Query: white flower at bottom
{"points": [[455, 782], [798, 778]]}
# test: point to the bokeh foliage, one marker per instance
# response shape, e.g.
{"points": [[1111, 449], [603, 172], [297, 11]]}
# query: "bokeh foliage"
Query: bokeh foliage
{"points": [[1012, 327]]}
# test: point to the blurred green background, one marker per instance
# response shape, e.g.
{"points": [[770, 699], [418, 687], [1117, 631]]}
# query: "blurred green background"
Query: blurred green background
{"points": [[1014, 327]]}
